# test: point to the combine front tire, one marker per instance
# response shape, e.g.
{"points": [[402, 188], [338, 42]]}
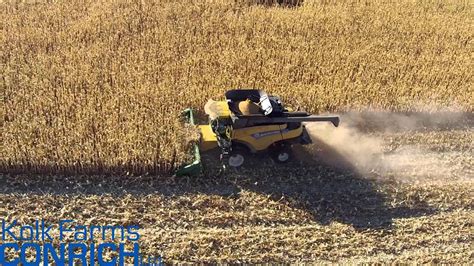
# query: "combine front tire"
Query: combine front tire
{"points": [[236, 157], [236, 160]]}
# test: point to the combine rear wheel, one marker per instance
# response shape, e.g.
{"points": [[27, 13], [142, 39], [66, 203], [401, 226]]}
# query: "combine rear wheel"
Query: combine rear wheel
{"points": [[281, 154]]}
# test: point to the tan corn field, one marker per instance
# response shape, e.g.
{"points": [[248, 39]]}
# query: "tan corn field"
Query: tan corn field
{"points": [[98, 86]]}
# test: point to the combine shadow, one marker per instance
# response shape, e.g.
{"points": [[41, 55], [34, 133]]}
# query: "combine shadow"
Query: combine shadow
{"points": [[330, 188]]}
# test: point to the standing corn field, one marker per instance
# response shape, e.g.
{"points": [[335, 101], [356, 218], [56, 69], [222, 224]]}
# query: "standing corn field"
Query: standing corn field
{"points": [[98, 86]]}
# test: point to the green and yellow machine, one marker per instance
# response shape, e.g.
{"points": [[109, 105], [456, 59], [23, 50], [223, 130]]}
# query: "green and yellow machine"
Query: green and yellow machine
{"points": [[249, 121]]}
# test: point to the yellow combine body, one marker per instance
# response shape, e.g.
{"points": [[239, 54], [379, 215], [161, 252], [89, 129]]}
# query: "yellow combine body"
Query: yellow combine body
{"points": [[269, 135], [250, 121], [208, 139], [256, 138]]}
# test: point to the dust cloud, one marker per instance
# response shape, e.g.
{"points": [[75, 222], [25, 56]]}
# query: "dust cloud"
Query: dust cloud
{"points": [[360, 144]]}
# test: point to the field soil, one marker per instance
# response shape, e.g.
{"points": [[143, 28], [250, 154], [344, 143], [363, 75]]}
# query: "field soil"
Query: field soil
{"points": [[404, 195]]}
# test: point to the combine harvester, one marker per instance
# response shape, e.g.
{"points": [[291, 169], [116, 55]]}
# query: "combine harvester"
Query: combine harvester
{"points": [[249, 121]]}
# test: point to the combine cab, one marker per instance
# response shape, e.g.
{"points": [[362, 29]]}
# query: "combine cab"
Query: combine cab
{"points": [[250, 121]]}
